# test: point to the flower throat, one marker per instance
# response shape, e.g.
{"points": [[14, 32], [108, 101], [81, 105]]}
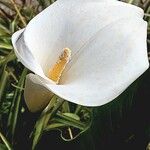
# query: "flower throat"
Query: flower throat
{"points": [[55, 73]]}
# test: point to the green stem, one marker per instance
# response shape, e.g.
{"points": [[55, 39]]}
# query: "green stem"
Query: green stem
{"points": [[79, 107], [7, 59], [3, 82], [147, 15], [46, 116], [15, 107], [65, 107], [55, 126], [52, 1], [5, 29], [130, 1], [61, 118], [7, 4], [51, 114], [5, 141], [18, 12], [5, 46]]}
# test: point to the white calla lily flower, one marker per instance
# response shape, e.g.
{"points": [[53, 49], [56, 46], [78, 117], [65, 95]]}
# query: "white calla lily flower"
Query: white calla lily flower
{"points": [[107, 42]]}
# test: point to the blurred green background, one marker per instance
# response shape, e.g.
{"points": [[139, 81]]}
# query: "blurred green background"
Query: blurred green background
{"points": [[123, 124]]}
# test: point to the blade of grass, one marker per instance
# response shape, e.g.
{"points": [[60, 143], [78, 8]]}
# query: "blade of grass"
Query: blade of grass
{"points": [[69, 121], [54, 126], [147, 15], [130, 1], [8, 58], [18, 12], [52, 1], [79, 107], [7, 4], [14, 110], [5, 46], [3, 82], [46, 116], [4, 28], [65, 107], [5, 141]]}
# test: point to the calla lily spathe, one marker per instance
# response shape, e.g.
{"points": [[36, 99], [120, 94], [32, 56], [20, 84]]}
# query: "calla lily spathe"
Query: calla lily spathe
{"points": [[107, 39]]}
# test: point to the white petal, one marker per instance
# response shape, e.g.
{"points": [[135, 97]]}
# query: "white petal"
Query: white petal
{"points": [[36, 95], [71, 24], [105, 67], [24, 55]]}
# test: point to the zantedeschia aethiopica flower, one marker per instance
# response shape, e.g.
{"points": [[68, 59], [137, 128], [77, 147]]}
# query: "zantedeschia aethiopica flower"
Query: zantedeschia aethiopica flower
{"points": [[107, 43]]}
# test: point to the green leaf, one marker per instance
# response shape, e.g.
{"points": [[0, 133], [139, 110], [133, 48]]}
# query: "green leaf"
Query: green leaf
{"points": [[7, 3], [7, 144], [3, 147], [8, 58], [3, 82], [54, 126], [5, 46], [61, 118], [45, 117], [15, 107], [4, 30], [65, 107], [71, 115]]}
